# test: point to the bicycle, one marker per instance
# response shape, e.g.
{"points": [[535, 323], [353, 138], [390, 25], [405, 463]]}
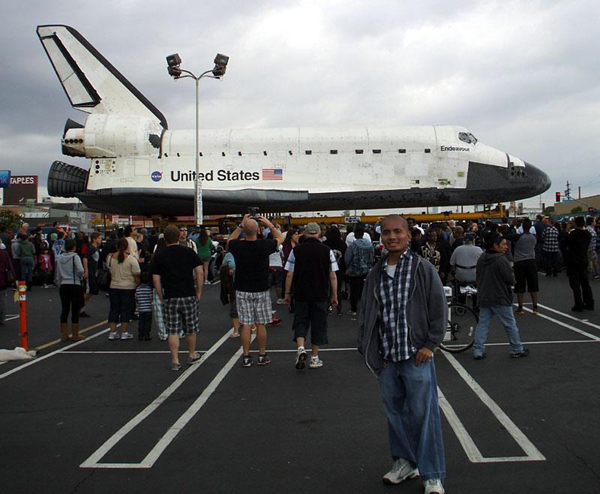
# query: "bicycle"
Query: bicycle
{"points": [[462, 321]]}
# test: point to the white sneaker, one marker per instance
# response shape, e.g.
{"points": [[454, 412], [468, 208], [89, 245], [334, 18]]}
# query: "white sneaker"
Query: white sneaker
{"points": [[280, 301], [114, 336], [315, 363], [433, 486], [301, 358], [126, 336], [401, 470]]}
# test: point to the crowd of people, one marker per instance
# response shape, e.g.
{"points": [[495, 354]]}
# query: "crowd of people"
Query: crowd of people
{"points": [[392, 275]]}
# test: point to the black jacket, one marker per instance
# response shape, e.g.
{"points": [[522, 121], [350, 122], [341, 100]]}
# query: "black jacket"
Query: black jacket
{"points": [[576, 245]]}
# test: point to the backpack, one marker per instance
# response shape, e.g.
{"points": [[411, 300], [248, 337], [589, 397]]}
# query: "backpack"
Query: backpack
{"points": [[103, 277], [362, 260]]}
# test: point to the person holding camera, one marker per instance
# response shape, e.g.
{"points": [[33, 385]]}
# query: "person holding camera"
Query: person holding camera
{"points": [[251, 282]]}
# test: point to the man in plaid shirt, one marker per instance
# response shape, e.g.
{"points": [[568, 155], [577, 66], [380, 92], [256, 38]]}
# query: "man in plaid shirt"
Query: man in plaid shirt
{"points": [[403, 319], [550, 251]]}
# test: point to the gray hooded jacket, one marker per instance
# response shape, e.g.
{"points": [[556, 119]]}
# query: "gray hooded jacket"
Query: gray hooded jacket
{"points": [[494, 280], [426, 311], [70, 269]]}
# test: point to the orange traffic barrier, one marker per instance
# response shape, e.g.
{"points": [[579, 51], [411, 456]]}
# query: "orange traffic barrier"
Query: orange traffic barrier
{"points": [[23, 315]]}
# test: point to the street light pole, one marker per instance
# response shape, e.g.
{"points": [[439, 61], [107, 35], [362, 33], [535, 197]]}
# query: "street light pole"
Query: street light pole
{"points": [[174, 62]]}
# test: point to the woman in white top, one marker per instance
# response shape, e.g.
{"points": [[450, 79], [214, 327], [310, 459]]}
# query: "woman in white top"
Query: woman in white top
{"points": [[124, 278]]}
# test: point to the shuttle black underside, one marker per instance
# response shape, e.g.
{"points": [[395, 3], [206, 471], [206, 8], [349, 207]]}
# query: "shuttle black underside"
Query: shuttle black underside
{"points": [[485, 185]]}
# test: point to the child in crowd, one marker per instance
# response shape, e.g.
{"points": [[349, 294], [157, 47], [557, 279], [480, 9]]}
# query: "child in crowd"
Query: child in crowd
{"points": [[45, 268], [143, 297]]}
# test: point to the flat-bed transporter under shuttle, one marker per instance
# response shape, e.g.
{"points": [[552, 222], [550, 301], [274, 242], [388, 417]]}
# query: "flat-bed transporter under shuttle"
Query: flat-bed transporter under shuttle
{"points": [[139, 166]]}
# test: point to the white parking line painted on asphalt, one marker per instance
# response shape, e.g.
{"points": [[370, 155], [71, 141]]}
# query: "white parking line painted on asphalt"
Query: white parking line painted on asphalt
{"points": [[569, 316], [55, 352], [549, 342], [565, 325], [128, 352], [531, 452], [94, 460]]}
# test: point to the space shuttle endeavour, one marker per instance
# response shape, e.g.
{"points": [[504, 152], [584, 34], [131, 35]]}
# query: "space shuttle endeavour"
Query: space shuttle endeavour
{"points": [[137, 165]]}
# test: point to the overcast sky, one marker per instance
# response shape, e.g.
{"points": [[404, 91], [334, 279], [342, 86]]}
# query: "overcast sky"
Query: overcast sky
{"points": [[523, 77]]}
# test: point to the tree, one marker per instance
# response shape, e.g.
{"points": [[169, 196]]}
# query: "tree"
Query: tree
{"points": [[576, 210], [8, 219]]}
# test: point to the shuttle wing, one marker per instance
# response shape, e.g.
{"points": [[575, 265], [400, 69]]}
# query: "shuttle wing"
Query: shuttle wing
{"points": [[92, 84]]}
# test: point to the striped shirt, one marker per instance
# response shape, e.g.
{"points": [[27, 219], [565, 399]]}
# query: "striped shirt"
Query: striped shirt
{"points": [[394, 283], [143, 297]]}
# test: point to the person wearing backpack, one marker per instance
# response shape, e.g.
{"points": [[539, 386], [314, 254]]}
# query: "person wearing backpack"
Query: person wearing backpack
{"points": [[359, 259]]}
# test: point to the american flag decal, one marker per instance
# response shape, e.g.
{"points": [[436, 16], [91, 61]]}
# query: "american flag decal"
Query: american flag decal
{"points": [[272, 174]]}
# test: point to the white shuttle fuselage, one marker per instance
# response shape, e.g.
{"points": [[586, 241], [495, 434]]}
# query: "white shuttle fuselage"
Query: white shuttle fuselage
{"points": [[139, 166]]}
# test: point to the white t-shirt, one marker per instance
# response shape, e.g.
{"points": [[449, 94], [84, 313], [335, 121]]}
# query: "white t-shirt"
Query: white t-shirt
{"points": [[275, 260], [350, 238]]}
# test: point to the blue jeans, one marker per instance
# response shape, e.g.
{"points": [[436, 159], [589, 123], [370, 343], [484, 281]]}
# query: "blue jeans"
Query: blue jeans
{"points": [[409, 396], [27, 269], [507, 318]]}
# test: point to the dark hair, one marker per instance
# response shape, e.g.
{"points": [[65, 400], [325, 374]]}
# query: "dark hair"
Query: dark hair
{"points": [[172, 234], [127, 231], [579, 221], [333, 235], [203, 237], [94, 236], [160, 245], [291, 232], [589, 220], [494, 239], [70, 244], [122, 246], [526, 225], [359, 231], [145, 278]]}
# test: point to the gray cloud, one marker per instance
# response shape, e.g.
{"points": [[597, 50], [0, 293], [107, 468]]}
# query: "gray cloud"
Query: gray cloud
{"points": [[522, 77]]}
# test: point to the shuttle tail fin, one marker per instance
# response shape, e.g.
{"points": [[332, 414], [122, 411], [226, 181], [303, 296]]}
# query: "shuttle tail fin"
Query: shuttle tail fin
{"points": [[92, 84]]}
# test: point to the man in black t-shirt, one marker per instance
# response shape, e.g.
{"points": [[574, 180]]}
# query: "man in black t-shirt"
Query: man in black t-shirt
{"points": [[252, 283], [178, 270]]}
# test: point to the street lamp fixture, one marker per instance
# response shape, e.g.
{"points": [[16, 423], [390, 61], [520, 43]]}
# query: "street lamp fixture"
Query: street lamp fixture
{"points": [[175, 71]]}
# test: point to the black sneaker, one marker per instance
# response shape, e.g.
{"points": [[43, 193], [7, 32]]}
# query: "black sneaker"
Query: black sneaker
{"points": [[246, 360], [521, 354], [263, 359], [84, 314]]}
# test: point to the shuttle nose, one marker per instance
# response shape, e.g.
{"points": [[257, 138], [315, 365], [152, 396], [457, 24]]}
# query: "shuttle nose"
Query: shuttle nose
{"points": [[539, 179]]}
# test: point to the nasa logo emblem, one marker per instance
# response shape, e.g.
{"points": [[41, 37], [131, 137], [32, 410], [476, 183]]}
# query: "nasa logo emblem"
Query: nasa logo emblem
{"points": [[156, 176]]}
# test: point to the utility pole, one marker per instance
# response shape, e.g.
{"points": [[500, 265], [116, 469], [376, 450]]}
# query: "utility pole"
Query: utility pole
{"points": [[568, 191]]}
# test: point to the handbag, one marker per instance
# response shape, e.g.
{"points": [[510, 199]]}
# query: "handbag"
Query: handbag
{"points": [[10, 279], [103, 277]]}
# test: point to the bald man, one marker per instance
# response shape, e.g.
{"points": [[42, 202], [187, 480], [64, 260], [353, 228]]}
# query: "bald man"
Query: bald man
{"points": [[403, 319], [251, 283]]}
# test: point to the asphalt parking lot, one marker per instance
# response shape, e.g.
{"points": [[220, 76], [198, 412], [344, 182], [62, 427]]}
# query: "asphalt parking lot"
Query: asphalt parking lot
{"points": [[109, 416]]}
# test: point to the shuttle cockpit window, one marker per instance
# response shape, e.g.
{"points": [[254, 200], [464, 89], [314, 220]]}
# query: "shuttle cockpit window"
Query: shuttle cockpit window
{"points": [[467, 137]]}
